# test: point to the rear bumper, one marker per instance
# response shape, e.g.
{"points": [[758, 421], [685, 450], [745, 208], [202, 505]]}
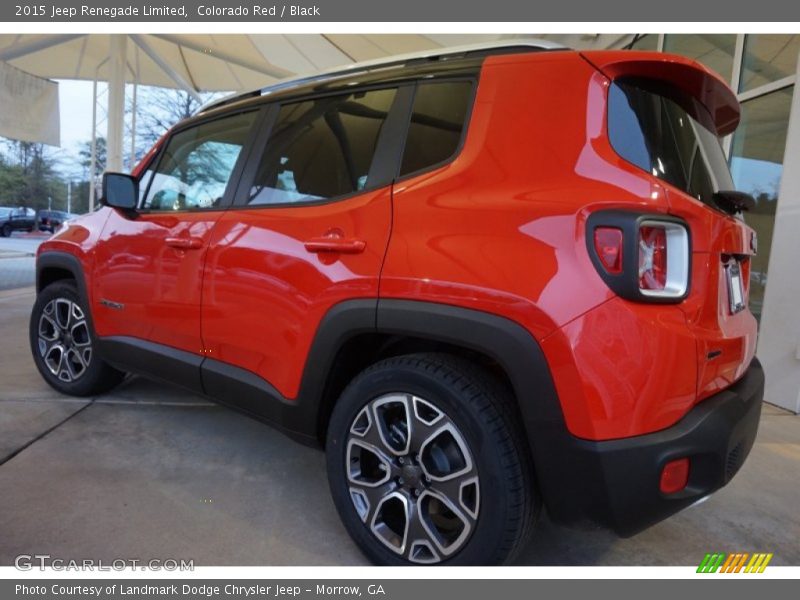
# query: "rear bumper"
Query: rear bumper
{"points": [[616, 483]]}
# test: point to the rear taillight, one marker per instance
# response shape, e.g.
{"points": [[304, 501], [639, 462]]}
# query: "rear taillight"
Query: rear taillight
{"points": [[608, 245], [652, 258], [640, 256], [663, 259]]}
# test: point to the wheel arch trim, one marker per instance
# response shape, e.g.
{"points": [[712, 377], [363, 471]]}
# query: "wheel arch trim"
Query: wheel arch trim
{"points": [[506, 342], [64, 261]]}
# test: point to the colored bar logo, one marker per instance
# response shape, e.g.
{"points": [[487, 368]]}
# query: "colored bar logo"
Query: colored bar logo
{"points": [[738, 562]]}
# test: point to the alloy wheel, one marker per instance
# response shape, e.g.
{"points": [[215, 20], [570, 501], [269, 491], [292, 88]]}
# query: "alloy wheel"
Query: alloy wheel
{"points": [[65, 345], [412, 478]]}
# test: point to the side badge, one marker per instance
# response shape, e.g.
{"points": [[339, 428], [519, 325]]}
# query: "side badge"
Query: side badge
{"points": [[110, 304]]}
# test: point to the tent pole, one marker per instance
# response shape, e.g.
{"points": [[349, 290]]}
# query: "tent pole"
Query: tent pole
{"points": [[259, 66], [133, 109], [93, 159], [171, 73], [116, 102], [43, 43], [132, 160]]}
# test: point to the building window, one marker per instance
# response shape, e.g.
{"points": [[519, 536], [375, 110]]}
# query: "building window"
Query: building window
{"points": [[714, 51], [768, 58], [647, 41], [756, 165]]}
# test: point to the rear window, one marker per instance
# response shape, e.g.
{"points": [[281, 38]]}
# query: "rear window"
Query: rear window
{"points": [[671, 138], [437, 122], [321, 149]]}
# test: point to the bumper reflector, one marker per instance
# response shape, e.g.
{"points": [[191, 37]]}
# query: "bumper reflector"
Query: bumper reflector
{"points": [[674, 476]]}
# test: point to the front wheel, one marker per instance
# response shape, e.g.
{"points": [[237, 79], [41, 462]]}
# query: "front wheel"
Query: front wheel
{"points": [[427, 464], [63, 345], [5, 231]]}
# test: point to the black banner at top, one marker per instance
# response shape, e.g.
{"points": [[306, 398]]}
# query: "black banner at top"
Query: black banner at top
{"points": [[266, 11]]}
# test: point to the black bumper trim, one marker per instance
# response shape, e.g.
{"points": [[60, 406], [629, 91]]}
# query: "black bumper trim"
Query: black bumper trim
{"points": [[616, 483]]}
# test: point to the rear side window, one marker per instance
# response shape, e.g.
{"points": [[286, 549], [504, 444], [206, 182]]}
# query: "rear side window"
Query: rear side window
{"points": [[659, 135], [196, 164], [438, 117], [321, 149]]}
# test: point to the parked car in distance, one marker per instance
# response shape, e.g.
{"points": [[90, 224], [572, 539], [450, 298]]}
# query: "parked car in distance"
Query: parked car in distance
{"points": [[50, 220], [486, 281], [16, 219]]}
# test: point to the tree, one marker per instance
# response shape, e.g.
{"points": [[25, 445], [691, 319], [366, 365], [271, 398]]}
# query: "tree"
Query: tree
{"points": [[85, 156], [12, 182], [161, 108], [29, 176]]}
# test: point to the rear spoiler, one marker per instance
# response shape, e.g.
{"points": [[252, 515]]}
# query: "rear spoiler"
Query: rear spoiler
{"points": [[689, 76]]}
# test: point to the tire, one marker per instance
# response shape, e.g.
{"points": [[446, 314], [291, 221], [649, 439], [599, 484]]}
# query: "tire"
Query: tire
{"points": [[64, 346], [6, 230], [459, 490]]}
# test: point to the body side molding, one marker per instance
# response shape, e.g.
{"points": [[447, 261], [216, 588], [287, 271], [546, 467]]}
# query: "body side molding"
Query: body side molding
{"points": [[153, 360]]}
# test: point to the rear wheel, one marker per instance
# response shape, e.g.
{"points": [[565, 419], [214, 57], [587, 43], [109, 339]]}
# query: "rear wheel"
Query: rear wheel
{"points": [[6, 230], [427, 465], [63, 344]]}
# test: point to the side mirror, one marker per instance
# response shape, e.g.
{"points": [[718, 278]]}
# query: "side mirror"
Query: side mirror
{"points": [[120, 190], [732, 201]]}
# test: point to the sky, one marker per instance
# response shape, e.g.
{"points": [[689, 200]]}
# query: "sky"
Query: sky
{"points": [[75, 104]]}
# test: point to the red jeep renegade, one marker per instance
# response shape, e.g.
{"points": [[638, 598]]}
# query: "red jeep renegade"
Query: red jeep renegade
{"points": [[486, 281]]}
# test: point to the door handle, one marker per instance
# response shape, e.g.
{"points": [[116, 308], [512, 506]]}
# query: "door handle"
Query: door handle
{"points": [[335, 244], [184, 243]]}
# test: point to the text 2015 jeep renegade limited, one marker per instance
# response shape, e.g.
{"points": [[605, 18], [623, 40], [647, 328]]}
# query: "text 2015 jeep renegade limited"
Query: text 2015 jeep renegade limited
{"points": [[487, 281]]}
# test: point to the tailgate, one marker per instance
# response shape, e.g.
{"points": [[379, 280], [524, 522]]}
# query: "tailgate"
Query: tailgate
{"points": [[666, 116], [717, 308]]}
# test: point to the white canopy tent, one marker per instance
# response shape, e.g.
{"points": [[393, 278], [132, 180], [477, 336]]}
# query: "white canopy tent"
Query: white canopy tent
{"points": [[209, 62], [30, 107]]}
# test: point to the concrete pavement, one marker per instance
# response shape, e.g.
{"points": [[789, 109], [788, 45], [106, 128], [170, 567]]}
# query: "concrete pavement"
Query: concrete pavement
{"points": [[17, 260], [151, 472]]}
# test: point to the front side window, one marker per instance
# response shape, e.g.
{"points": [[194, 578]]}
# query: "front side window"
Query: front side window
{"points": [[196, 164], [661, 136], [321, 149]]}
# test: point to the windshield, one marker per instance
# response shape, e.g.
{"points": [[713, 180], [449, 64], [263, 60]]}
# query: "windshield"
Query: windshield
{"points": [[671, 138]]}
